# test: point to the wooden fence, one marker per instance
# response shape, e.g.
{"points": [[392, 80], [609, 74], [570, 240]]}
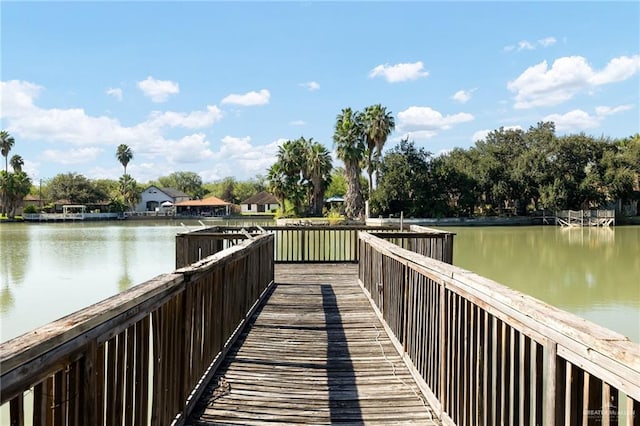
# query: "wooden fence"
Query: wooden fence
{"points": [[309, 244], [139, 357], [484, 354]]}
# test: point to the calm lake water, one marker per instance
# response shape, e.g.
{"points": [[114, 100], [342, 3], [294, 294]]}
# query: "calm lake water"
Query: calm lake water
{"points": [[50, 270]]}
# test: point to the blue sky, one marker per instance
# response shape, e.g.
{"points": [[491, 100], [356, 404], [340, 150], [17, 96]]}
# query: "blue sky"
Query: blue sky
{"points": [[215, 87]]}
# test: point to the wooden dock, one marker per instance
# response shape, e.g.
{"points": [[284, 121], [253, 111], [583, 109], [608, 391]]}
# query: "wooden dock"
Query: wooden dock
{"points": [[315, 353], [570, 218], [287, 326]]}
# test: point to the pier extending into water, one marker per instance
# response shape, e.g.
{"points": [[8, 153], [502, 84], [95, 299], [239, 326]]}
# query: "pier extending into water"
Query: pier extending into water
{"points": [[572, 218], [275, 325]]}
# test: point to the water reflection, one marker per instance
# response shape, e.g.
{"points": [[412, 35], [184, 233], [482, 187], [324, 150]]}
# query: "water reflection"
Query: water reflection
{"points": [[125, 281], [591, 236], [14, 258], [585, 271], [50, 270]]}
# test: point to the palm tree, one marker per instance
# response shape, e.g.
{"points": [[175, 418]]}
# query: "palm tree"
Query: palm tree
{"points": [[16, 163], [6, 143], [349, 141], [292, 156], [17, 186], [378, 125], [277, 184], [124, 154], [319, 168], [129, 189]]}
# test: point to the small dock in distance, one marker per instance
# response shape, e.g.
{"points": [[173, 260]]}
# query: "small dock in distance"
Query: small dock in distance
{"points": [[579, 218]]}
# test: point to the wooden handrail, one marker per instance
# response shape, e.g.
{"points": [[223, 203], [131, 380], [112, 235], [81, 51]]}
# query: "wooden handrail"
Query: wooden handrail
{"points": [[306, 244], [487, 354], [95, 366]]}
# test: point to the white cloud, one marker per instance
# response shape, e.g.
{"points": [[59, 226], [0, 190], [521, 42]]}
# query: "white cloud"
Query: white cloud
{"points": [[540, 85], [16, 97], [116, 93], [298, 123], [70, 126], [603, 111], [481, 134], [573, 120], [249, 99], [418, 135], [158, 90], [578, 119], [192, 120], [73, 156], [618, 69], [546, 42], [80, 137], [399, 72], [311, 86], [424, 119], [527, 45], [462, 96], [252, 159], [189, 149]]}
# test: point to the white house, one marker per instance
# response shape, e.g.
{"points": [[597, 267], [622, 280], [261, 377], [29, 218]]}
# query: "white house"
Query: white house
{"points": [[262, 202], [153, 198]]}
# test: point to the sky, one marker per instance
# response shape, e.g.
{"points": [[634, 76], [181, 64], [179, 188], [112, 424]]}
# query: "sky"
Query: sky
{"points": [[215, 87]]}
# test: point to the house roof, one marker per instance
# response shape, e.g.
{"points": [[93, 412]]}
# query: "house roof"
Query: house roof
{"points": [[170, 192], [261, 198], [209, 201], [174, 193]]}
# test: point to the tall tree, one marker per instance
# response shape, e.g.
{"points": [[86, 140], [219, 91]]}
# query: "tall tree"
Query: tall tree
{"points": [[294, 174], [319, 168], [348, 139], [16, 163], [378, 125], [129, 190], [124, 154], [279, 184], [75, 188], [187, 182], [6, 143], [19, 186]]}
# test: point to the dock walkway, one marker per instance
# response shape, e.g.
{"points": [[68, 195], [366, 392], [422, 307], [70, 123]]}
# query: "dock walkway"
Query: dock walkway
{"points": [[315, 353]]}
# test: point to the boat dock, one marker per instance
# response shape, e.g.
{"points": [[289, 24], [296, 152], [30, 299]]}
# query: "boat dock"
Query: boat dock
{"points": [[571, 218]]}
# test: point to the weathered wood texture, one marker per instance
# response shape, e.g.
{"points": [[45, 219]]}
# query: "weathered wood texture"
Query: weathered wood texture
{"points": [[311, 244], [314, 354], [137, 358], [485, 354]]}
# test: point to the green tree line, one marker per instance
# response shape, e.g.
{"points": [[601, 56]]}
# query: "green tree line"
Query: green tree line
{"points": [[513, 171]]}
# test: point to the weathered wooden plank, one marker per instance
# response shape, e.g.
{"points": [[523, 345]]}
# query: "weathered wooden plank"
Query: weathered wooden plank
{"points": [[315, 353]]}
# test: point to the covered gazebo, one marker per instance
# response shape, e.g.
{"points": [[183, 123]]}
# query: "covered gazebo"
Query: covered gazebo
{"points": [[210, 206]]}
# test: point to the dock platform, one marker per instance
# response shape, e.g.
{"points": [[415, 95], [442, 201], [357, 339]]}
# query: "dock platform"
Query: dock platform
{"points": [[315, 353]]}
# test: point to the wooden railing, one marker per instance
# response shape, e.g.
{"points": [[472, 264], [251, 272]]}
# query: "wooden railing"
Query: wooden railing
{"points": [[485, 354], [308, 244], [142, 356]]}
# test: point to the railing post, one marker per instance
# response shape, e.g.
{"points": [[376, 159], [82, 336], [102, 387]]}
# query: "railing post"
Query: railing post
{"points": [[405, 315], [89, 399], [443, 348], [551, 350]]}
